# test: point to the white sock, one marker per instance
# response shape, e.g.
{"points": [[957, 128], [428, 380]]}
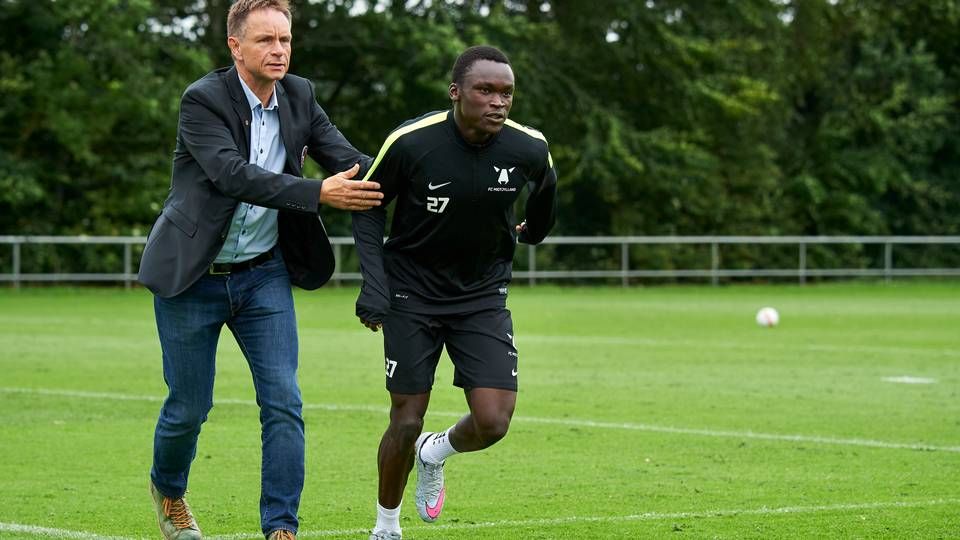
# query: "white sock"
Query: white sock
{"points": [[388, 519], [438, 448]]}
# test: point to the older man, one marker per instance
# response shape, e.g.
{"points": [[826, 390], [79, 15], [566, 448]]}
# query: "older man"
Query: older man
{"points": [[239, 226]]}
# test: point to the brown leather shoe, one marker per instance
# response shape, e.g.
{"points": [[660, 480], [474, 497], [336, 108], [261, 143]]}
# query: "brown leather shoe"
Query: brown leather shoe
{"points": [[282, 534], [174, 517]]}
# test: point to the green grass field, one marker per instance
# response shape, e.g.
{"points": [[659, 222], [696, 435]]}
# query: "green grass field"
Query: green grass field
{"points": [[660, 412]]}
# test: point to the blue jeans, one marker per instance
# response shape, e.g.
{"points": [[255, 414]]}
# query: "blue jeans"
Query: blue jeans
{"points": [[257, 306]]}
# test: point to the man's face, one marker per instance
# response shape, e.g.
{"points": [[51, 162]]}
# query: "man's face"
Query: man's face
{"points": [[263, 49], [484, 99]]}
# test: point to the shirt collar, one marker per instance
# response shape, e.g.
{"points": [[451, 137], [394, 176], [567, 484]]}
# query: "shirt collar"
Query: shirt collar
{"points": [[252, 98]]}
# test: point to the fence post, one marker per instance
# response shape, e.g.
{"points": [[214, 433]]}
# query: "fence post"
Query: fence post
{"points": [[126, 265], [802, 272], [887, 261], [16, 265], [625, 263], [714, 263], [336, 264], [532, 264]]}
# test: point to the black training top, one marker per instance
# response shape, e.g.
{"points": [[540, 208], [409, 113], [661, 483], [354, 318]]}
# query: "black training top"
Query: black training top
{"points": [[452, 239]]}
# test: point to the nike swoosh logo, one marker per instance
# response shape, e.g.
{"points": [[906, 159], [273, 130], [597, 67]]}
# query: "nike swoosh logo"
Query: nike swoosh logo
{"points": [[432, 187], [434, 511], [514, 373]]}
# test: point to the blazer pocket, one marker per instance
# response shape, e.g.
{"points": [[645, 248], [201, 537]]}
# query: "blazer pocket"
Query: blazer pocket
{"points": [[178, 218]]}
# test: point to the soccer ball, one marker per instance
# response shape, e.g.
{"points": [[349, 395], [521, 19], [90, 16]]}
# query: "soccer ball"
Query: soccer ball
{"points": [[768, 317]]}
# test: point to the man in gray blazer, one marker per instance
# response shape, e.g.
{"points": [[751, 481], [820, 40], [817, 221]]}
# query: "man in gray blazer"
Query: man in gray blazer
{"points": [[239, 226]]}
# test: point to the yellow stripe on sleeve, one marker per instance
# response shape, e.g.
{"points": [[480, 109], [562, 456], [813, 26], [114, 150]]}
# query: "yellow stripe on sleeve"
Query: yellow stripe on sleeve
{"points": [[528, 130], [533, 133], [428, 121]]}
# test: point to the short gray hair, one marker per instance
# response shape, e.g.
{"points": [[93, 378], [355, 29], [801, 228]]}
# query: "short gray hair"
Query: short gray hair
{"points": [[237, 16]]}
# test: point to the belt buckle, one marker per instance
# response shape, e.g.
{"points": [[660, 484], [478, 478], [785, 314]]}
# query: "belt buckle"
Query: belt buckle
{"points": [[213, 272]]}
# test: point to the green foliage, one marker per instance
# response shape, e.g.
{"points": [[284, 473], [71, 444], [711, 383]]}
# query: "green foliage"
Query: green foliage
{"points": [[90, 105], [874, 114], [664, 116]]}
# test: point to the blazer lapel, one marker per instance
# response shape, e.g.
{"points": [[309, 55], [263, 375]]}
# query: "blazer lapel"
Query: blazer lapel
{"points": [[286, 130], [241, 106]]}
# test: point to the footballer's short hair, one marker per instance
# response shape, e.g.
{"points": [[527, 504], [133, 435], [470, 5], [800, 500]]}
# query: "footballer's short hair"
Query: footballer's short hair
{"points": [[237, 16], [479, 52]]}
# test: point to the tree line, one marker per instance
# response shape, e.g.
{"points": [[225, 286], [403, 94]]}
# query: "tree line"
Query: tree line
{"points": [[759, 117]]}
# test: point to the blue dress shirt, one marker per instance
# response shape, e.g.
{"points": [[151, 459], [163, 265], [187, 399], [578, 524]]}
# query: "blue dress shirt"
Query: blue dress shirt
{"points": [[253, 229]]}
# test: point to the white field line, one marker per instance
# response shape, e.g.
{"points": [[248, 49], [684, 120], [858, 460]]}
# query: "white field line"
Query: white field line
{"points": [[516, 523], [599, 340], [571, 422], [646, 516], [908, 379], [47, 532]]}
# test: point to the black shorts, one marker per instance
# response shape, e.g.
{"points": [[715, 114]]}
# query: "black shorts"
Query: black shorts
{"points": [[479, 343]]}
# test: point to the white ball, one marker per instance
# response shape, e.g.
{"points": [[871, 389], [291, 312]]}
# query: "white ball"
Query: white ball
{"points": [[768, 317]]}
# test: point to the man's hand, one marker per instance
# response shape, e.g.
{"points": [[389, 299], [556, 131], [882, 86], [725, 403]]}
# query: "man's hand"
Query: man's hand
{"points": [[522, 227], [371, 325], [339, 191]]}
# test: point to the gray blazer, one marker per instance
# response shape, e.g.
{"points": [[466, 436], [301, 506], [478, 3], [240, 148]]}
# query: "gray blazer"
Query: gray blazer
{"points": [[211, 176]]}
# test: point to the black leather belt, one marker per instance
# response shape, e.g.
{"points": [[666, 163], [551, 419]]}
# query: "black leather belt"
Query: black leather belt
{"points": [[218, 269]]}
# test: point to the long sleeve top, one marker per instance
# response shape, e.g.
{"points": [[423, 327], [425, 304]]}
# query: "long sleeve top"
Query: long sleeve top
{"points": [[452, 238]]}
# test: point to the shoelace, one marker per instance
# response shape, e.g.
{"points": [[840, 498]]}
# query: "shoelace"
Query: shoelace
{"points": [[283, 534], [178, 512], [432, 489]]}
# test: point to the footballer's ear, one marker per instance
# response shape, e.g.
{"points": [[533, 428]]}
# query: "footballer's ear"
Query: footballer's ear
{"points": [[454, 92]]}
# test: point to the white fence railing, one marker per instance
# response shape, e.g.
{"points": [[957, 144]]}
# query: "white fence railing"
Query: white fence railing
{"points": [[532, 274]]}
